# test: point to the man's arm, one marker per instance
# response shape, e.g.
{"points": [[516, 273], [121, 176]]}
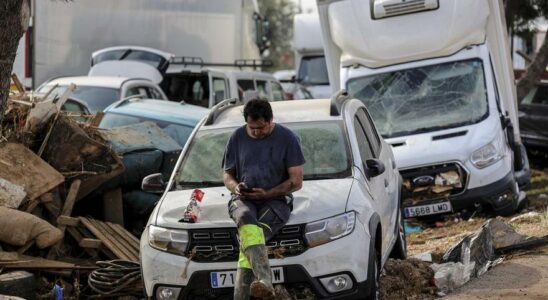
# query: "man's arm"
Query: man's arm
{"points": [[292, 184], [230, 181]]}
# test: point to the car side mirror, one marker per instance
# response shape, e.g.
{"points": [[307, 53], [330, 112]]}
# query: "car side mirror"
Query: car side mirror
{"points": [[374, 167], [153, 183], [293, 79]]}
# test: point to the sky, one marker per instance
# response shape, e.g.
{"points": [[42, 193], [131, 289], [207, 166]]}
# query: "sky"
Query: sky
{"points": [[307, 6]]}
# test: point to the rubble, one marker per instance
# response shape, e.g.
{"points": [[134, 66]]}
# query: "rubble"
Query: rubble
{"points": [[51, 164]]}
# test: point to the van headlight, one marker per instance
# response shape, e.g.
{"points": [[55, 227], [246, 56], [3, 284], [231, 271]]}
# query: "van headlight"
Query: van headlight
{"points": [[327, 230], [168, 240], [488, 154]]}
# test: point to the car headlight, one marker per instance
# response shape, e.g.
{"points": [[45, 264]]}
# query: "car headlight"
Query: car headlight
{"points": [[488, 154], [169, 240], [327, 230]]}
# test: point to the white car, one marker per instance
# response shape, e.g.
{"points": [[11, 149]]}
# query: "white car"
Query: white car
{"points": [[98, 92], [345, 222]]}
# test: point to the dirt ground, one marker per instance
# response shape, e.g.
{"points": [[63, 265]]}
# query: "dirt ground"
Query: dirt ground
{"points": [[522, 275]]}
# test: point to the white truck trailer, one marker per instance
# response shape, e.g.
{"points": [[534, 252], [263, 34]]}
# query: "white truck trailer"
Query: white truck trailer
{"points": [[437, 77], [66, 34], [311, 70]]}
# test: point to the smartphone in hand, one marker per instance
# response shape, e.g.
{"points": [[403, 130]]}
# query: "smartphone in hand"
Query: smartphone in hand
{"points": [[246, 189]]}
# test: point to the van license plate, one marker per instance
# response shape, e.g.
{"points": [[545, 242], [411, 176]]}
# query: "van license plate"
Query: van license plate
{"points": [[430, 209], [227, 278]]}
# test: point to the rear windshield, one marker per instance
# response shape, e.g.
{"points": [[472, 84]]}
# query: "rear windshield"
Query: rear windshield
{"points": [[96, 98], [313, 71], [191, 88]]}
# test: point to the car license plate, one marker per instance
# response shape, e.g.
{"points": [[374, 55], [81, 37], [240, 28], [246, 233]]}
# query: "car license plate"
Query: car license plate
{"points": [[430, 209], [227, 278]]}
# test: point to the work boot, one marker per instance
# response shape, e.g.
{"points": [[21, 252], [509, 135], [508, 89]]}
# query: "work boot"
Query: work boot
{"points": [[262, 286], [242, 286]]}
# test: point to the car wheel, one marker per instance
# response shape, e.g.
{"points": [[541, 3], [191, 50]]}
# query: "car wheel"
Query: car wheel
{"points": [[400, 247], [374, 275]]}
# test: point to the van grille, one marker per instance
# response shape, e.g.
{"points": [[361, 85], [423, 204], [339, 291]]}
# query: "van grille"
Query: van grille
{"points": [[400, 7], [221, 244], [432, 183]]}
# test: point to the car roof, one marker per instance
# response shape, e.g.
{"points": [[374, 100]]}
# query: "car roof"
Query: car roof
{"points": [[161, 110], [284, 112], [100, 81]]}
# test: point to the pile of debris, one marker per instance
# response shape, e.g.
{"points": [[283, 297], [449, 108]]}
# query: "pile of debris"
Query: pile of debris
{"points": [[50, 164]]}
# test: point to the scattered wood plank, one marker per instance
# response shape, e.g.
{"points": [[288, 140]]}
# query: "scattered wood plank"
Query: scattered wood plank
{"points": [[90, 243], [29, 262], [109, 241], [68, 221], [113, 207], [67, 211]]}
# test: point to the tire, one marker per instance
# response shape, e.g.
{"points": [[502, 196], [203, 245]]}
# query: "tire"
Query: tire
{"points": [[18, 283], [399, 250], [373, 274]]}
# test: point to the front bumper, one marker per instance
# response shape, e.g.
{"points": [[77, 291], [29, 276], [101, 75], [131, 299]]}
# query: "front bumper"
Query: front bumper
{"points": [[488, 195], [348, 255]]}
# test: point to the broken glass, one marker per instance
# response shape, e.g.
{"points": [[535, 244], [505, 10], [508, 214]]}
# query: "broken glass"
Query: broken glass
{"points": [[424, 99]]}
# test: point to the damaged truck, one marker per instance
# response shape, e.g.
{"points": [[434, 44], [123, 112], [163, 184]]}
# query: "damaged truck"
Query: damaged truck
{"points": [[437, 79]]}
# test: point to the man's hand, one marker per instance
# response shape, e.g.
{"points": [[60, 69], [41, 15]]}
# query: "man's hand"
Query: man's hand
{"points": [[239, 187]]}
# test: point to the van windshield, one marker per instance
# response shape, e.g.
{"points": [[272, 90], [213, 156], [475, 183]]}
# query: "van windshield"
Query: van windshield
{"points": [[324, 146], [424, 99], [313, 71]]}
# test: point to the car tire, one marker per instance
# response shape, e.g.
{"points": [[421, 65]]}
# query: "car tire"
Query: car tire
{"points": [[374, 274], [399, 250]]}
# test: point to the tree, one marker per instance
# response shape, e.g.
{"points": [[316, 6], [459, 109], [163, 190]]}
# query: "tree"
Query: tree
{"points": [[280, 15], [14, 21], [520, 17]]}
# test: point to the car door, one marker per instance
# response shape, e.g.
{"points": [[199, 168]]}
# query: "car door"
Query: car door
{"points": [[369, 149], [533, 119], [218, 88]]}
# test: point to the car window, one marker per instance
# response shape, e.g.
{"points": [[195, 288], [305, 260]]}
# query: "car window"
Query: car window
{"points": [[540, 95], [75, 109], [277, 91], [369, 127], [137, 91], [245, 85], [313, 71], [192, 88], [324, 147], [154, 93], [263, 91], [219, 89], [96, 98], [366, 151]]}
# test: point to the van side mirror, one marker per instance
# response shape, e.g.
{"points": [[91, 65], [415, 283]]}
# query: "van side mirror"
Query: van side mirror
{"points": [[374, 167], [293, 79], [153, 183]]}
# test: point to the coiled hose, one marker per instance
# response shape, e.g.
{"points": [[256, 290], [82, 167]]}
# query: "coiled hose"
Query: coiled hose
{"points": [[116, 278]]}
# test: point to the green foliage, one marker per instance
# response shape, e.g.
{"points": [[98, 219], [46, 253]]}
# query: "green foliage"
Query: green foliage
{"points": [[280, 15], [522, 14]]}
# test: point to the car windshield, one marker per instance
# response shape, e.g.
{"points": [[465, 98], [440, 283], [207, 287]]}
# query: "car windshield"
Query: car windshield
{"points": [[178, 132], [313, 71], [96, 98], [324, 146], [424, 99]]}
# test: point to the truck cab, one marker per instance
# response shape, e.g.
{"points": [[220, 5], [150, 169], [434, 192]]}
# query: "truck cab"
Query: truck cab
{"points": [[437, 79]]}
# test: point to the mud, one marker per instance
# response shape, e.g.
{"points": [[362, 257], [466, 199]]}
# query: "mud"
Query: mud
{"points": [[407, 279]]}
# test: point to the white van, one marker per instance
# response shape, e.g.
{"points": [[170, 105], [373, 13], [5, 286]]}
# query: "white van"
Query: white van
{"points": [[194, 81], [311, 70], [437, 79]]}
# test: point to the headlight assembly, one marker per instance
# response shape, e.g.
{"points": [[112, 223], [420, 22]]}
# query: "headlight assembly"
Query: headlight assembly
{"points": [[168, 240], [324, 231], [488, 154]]}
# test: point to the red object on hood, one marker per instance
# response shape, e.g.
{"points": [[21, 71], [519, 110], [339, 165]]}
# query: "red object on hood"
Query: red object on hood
{"points": [[198, 195]]}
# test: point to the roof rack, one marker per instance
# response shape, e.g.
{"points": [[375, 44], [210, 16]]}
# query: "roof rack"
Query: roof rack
{"points": [[219, 108], [239, 63], [337, 101]]}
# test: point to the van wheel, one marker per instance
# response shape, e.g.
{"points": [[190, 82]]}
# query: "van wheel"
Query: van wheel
{"points": [[400, 247], [374, 274]]}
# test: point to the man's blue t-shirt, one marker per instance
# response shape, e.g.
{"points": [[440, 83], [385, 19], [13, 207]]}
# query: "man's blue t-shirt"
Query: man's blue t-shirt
{"points": [[263, 163]]}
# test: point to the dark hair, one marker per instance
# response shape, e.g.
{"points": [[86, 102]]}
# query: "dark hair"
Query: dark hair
{"points": [[258, 109]]}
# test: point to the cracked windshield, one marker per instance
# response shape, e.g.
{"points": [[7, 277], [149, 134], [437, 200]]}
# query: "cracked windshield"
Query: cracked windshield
{"points": [[424, 99], [323, 144]]}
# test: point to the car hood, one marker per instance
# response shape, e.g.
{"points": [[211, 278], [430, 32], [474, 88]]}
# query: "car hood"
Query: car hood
{"points": [[317, 200]]}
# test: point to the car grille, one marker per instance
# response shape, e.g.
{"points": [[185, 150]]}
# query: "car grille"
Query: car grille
{"points": [[221, 244], [432, 183]]}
